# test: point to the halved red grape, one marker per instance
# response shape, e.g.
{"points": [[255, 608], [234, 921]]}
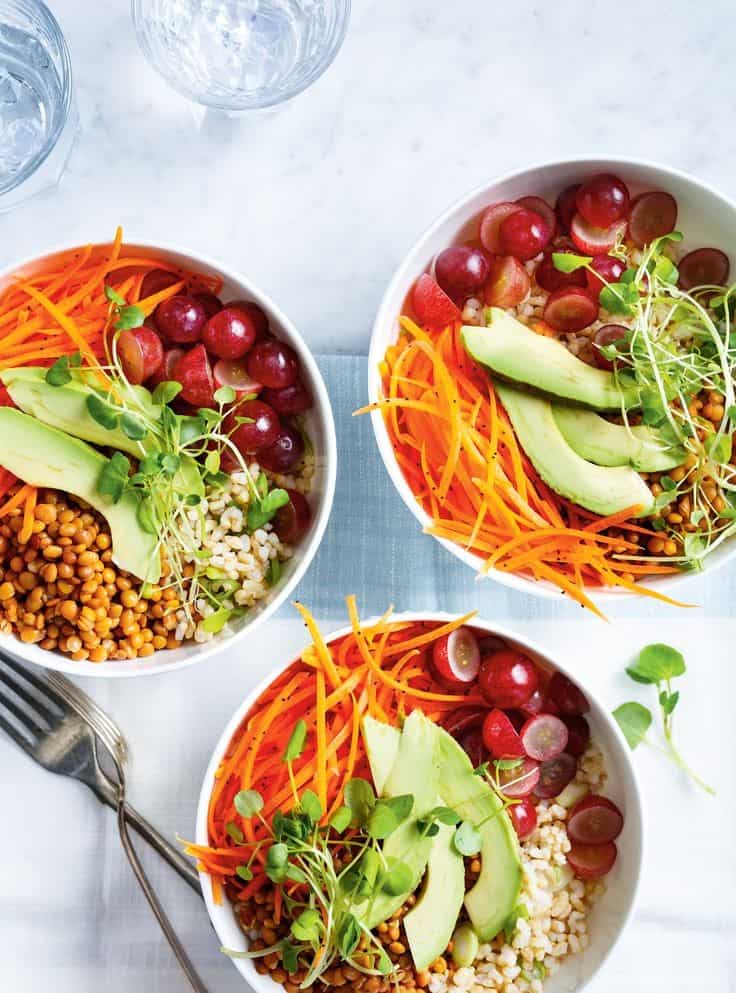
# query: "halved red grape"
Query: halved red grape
{"points": [[5, 398], [431, 304], [524, 234], [555, 774], [456, 657], [523, 817], [284, 453], [273, 363], [652, 215], [181, 319], [549, 277], [594, 820], [294, 399], [194, 373], [292, 520], [166, 371], [509, 282], [507, 678], [472, 744], [541, 207], [489, 644], [521, 780], [229, 334], [461, 270], [605, 269], [500, 736], [603, 200], [256, 314], [141, 354], [234, 373], [566, 207], [534, 705], [578, 734], [464, 719], [490, 225], [704, 267], [566, 695], [544, 737], [157, 280], [212, 304], [592, 861], [570, 309], [606, 335], [252, 425], [595, 241]]}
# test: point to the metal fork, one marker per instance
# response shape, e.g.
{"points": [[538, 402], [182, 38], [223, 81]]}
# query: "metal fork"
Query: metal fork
{"points": [[72, 735]]}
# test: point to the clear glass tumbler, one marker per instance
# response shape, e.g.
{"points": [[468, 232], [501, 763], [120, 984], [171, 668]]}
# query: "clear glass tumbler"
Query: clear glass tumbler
{"points": [[236, 55], [38, 117]]}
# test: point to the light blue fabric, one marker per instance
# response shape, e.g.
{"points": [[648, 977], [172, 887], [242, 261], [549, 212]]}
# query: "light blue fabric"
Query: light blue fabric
{"points": [[375, 548]]}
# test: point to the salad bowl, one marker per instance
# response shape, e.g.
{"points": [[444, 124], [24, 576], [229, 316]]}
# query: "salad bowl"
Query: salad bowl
{"points": [[608, 917], [318, 427], [703, 215]]}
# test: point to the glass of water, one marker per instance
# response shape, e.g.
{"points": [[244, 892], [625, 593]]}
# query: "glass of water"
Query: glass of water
{"points": [[38, 118], [236, 55]]}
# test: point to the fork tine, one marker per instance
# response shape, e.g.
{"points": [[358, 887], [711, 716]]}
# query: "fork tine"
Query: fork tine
{"points": [[104, 725], [29, 721], [40, 685], [40, 706], [25, 743]]}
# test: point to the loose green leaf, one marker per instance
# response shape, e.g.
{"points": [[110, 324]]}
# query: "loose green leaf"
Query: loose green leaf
{"points": [[445, 815], [289, 956], [244, 872], [58, 374], [634, 719], [311, 806], [114, 297], [166, 392], [262, 512], [273, 571], [360, 798], [216, 621], [212, 462], [668, 701], [102, 412], [248, 803], [348, 936], [505, 764], [114, 477], [132, 427], [567, 262], [619, 298], [657, 663], [467, 839], [225, 395], [397, 878], [297, 741], [170, 464], [277, 855], [145, 516], [520, 912], [129, 317], [234, 832], [340, 820], [308, 926]]}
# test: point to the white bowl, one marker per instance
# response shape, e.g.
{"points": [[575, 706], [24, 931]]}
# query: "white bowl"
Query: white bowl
{"points": [[705, 216], [608, 917], [321, 427]]}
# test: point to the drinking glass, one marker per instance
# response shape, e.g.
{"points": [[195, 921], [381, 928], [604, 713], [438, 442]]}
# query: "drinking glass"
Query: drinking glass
{"points": [[236, 55], [38, 117]]}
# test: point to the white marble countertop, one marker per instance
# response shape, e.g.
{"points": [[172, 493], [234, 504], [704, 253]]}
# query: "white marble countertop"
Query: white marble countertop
{"points": [[317, 203]]}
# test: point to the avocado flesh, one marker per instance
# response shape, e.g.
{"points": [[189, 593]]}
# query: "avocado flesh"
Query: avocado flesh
{"points": [[43, 456], [598, 440], [603, 489], [382, 747], [514, 352], [492, 899], [414, 772]]}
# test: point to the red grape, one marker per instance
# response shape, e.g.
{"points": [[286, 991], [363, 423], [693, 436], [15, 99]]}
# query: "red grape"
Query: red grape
{"points": [[292, 520], [464, 719], [523, 817], [603, 200], [500, 736], [565, 694], [5, 398], [273, 363], [541, 207], [490, 225], [524, 234], [212, 304], [294, 399], [652, 215], [229, 334], [594, 820], [166, 371], [606, 269], [521, 780], [181, 319], [566, 207], [507, 678], [595, 241], [233, 373], [534, 705], [472, 744], [578, 734], [550, 278], [194, 373], [257, 316], [141, 354], [456, 657], [157, 280], [260, 428], [509, 282], [555, 774], [431, 304], [704, 267], [606, 335], [570, 309], [592, 861], [284, 452], [461, 270], [544, 737]]}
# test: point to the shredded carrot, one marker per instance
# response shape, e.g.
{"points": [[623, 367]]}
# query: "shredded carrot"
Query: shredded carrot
{"points": [[15, 501], [28, 515]]}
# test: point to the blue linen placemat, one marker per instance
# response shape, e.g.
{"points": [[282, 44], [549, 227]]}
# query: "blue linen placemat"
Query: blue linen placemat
{"points": [[374, 547]]}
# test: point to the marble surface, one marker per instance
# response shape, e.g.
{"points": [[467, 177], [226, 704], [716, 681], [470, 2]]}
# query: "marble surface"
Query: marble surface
{"points": [[317, 203]]}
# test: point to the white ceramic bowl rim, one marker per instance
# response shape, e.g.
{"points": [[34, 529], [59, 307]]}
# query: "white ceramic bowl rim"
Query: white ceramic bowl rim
{"points": [[161, 662], [387, 316], [222, 916]]}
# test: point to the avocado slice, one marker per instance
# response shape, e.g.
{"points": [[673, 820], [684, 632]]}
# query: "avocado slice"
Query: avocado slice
{"points": [[491, 901], [43, 456], [514, 352], [603, 489], [382, 746], [414, 771], [605, 443]]}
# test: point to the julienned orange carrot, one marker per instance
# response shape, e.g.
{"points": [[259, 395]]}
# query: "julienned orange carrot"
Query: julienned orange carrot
{"points": [[457, 450], [384, 671], [29, 508]]}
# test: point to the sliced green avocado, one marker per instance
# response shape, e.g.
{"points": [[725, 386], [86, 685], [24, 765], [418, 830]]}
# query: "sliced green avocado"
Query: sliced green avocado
{"points": [[491, 901], [603, 489], [605, 443], [43, 456], [382, 746], [414, 772], [514, 352], [65, 407]]}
